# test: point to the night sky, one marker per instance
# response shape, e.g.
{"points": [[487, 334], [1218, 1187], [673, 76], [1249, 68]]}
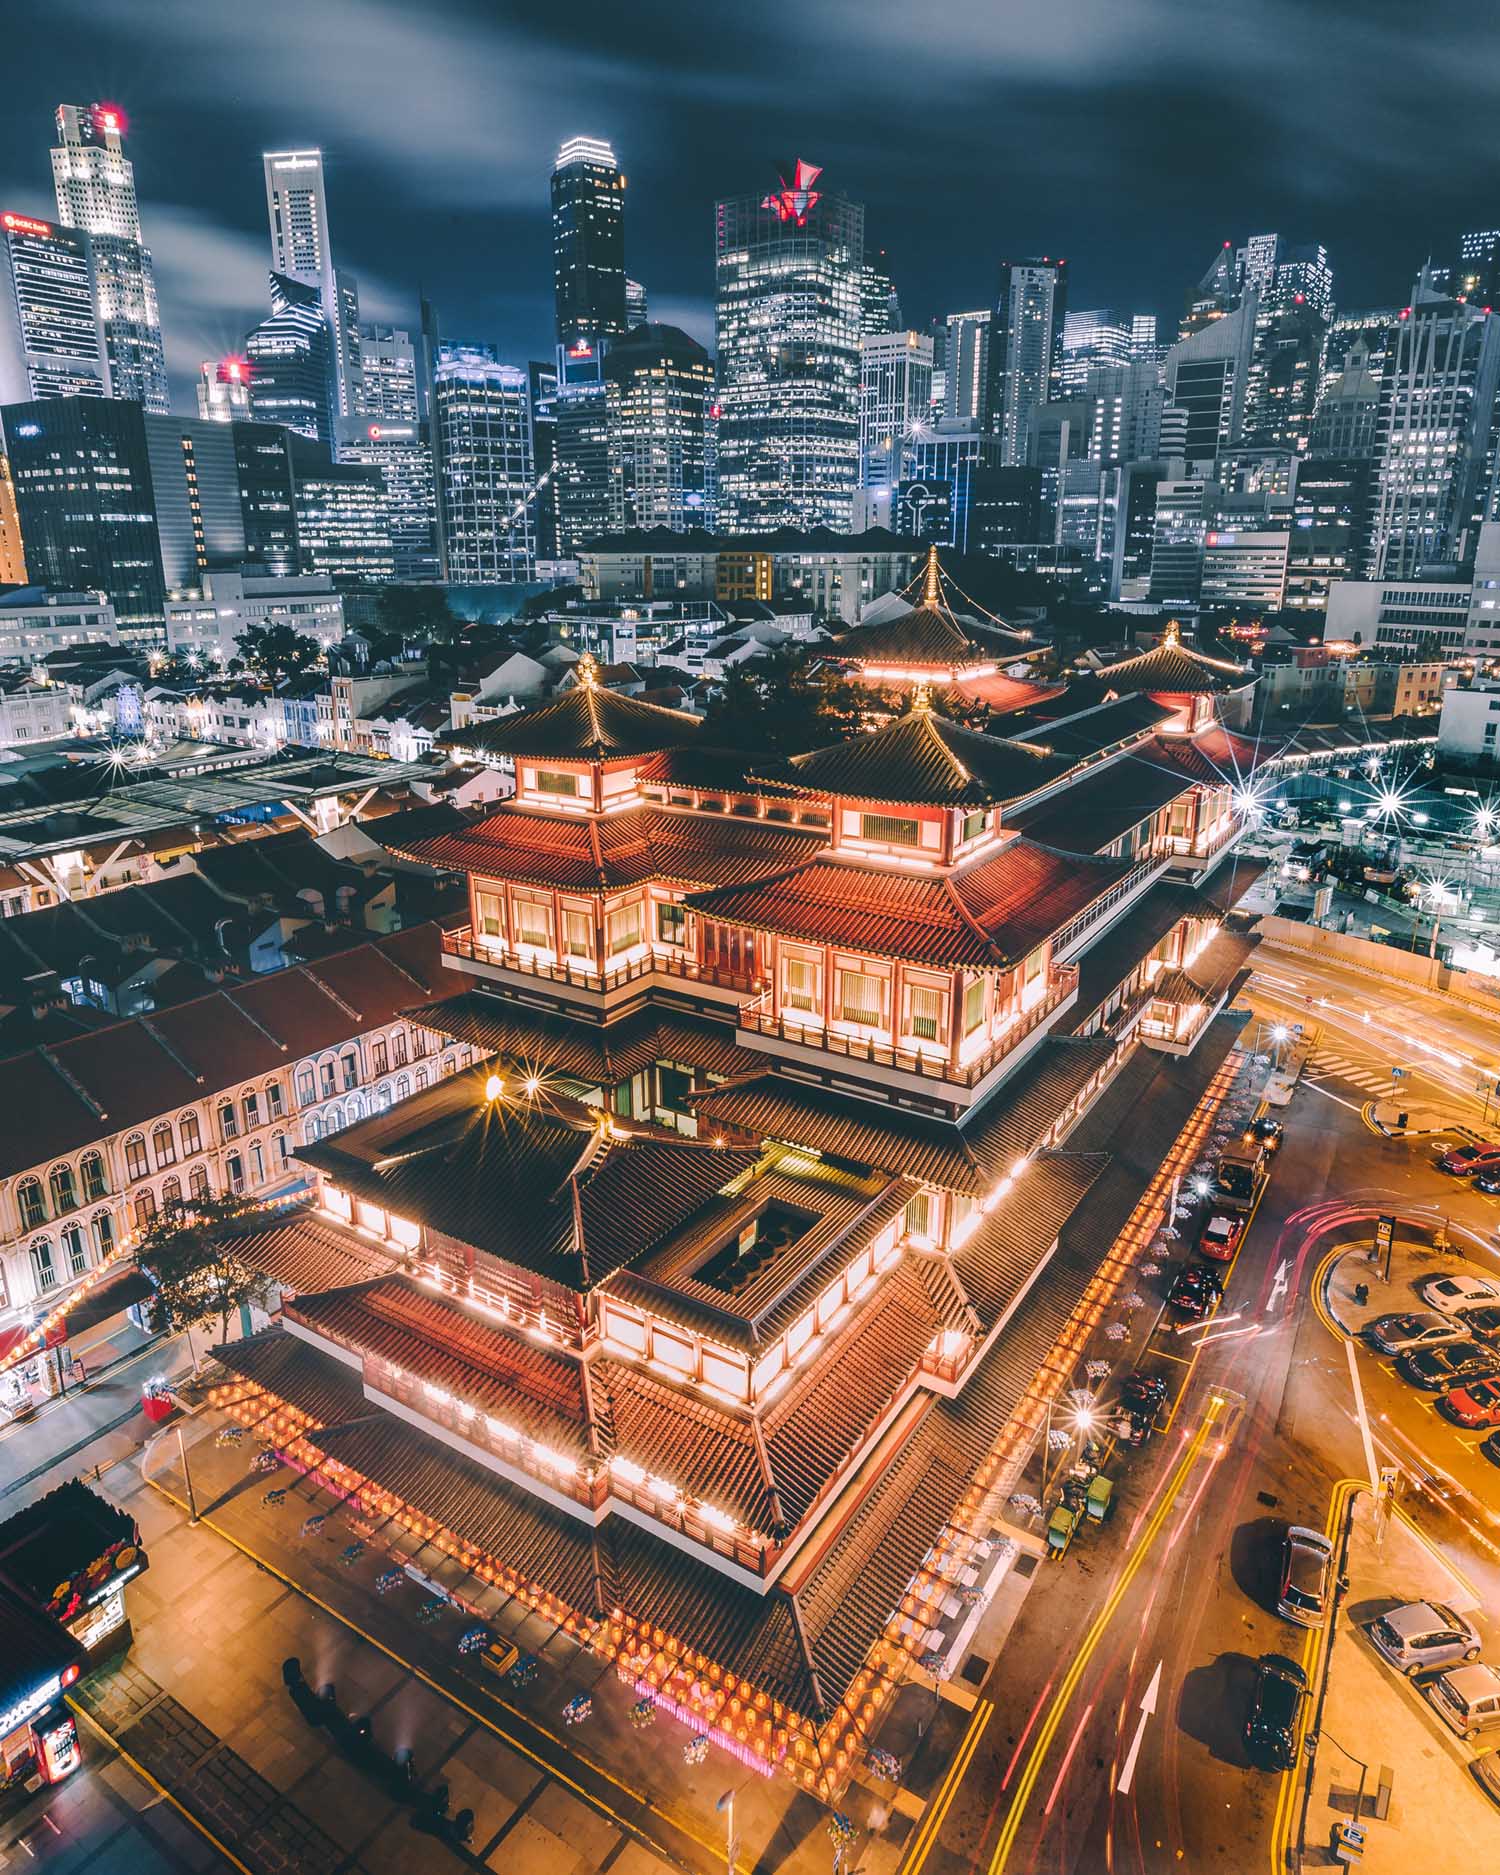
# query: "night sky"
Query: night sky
{"points": [[1132, 136]]}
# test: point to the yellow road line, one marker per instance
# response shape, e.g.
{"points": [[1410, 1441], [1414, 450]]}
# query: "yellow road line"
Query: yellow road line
{"points": [[1162, 1353], [1315, 1649], [1015, 1815], [141, 1772], [937, 1810], [714, 1847]]}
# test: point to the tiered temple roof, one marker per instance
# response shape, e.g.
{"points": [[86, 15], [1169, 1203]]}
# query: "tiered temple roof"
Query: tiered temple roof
{"points": [[586, 723]]}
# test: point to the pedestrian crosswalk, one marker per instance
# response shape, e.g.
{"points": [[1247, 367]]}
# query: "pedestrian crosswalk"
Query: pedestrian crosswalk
{"points": [[1360, 1071]]}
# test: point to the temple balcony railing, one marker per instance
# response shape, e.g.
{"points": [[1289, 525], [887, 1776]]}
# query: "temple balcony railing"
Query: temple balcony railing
{"points": [[493, 957], [760, 1019]]}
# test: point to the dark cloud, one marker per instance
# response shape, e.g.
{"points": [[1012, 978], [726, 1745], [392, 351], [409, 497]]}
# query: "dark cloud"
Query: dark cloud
{"points": [[1132, 138]]}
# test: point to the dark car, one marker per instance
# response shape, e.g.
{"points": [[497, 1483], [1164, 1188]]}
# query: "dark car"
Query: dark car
{"points": [[1477, 1404], [1491, 1448], [1489, 1182], [1441, 1368], [1271, 1729], [1484, 1323], [1198, 1291], [1268, 1132]]}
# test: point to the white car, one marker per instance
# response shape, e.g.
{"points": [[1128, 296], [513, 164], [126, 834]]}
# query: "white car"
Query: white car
{"points": [[1451, 1295]]}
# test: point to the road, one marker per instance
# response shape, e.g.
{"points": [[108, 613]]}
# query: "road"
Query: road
{"points": [[1138, 1649]]}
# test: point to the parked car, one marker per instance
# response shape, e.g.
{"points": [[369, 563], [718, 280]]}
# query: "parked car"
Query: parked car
{"points": [[1220, 1236], [1271, 1728], [1267, 1132], [1484, 1322], [1424, 1634], [1477, 1404], [1455, 1295], [1197, 1291], [1306, 1564], [1464, 1161], [1467, 1699], [1491, 1448], [1486, 1771], [1435, 1369], [1489, 1182], [1397, 1334]]}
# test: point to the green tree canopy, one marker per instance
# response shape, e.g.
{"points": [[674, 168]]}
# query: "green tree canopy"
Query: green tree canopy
{"points": [[417, 612], [277, 652], [191, 1257]]}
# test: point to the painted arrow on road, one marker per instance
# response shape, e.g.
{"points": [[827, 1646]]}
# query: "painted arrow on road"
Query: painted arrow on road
{"points": [[1278, 1286], [1148, 1706]]}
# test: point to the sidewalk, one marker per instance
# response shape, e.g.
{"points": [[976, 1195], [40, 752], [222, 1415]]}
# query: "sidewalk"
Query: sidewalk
{"points": [[1423, 1120], [1410, 1264], [1439, 1820]]}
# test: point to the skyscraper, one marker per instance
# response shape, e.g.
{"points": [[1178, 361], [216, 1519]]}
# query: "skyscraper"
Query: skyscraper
{"points": [[51, 335], [588, 243], [1477, 275], [12, 554], [659, 392], [484, 468], [789, 269], [399, 449], [966, 390], [1206, 375], [581, 482], [95, 183], [879, 307], [1436, 431], [388, 374], [290, 358], [1029, 311], [637, 310], [895, 395], [302, 249], [224, 390], [1091, 339]]}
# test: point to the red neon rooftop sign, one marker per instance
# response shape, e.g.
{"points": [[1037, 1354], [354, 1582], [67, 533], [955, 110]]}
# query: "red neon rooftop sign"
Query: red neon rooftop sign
{"points": [[795, 200], [23, 224]]}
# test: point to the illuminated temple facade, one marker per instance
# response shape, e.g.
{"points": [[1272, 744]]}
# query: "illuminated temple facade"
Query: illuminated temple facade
{"points": [[701, 1313]]}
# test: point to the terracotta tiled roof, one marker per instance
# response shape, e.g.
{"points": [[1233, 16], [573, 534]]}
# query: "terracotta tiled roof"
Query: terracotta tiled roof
{"points": [[930, 637], [1014, 1120], [519, 1176], [327, 1391], [300, 1253], [705, 1451], [1083, 722], [1005, 1252], [1215, 755], [1173, 669], [582, 1050], [592, 854], [586, 723], [924, 759], [988, 915], [64, 1096], [1102, 803]]}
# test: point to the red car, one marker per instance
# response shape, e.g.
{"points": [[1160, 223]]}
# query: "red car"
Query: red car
{"points": [[1464, 1161], [1220, 1236], [1475, 1404]]}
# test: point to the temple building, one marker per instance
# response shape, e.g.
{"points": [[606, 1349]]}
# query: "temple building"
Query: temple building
{"points": [[699, 1315]]}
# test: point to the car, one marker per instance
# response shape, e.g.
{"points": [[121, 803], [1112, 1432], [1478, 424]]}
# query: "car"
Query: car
{"points": [[1488, 1182], [1477, 1404], [1466, 1699], [1451, 1366], [1271, 1728], [1436, 1369], [1268, 1132], [1306, 1563], [1484, 1322], [1197, 1292], [1486, 1769], [1220, 1236], [1490, 1447], [1399, 1333], [1423, 1634], [1454, 1295], [1464, 1161]]}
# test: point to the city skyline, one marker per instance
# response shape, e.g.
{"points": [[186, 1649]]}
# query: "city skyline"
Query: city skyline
{"points": [[445, 185]]}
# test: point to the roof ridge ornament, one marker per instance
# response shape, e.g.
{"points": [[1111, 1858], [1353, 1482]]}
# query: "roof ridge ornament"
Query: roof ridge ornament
{"points": [[931, 591], [921, 700], [587, 670]]}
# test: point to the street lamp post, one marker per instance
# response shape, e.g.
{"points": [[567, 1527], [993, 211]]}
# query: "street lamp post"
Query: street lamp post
{"points": [[187, 1477]]}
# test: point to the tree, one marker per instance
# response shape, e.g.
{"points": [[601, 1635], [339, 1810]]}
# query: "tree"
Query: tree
{"points": [[190, 1254], [417, 612], [277, 652]]}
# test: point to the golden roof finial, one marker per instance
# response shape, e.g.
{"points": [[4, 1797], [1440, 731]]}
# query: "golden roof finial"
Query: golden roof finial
{"points": [[1172, 636], [588, 670], [921, 700], [931, 591]]}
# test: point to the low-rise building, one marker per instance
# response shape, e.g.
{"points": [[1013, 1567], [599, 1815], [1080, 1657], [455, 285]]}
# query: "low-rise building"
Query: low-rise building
{"points": [[31, 711], [1469, 727], [1400, 612], [34, 623], [209, 621]]}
